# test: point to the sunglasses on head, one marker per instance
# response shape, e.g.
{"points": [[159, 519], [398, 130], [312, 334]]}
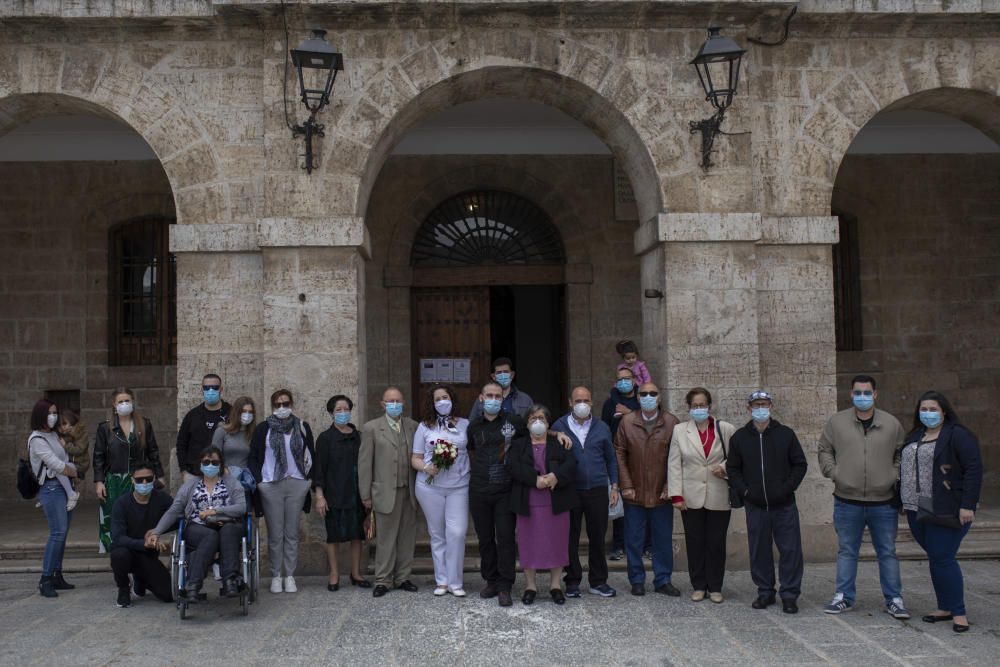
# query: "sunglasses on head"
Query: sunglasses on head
{"points": [[144, 479], [649, 393], [283, 404], [211, 387], [211, 462]]}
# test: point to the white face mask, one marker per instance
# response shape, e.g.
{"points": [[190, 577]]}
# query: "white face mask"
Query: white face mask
{"points": [[581, 410], [52, 419], [282, 413], [246, 418], [443, 407], [124, 409], [538, 427]]}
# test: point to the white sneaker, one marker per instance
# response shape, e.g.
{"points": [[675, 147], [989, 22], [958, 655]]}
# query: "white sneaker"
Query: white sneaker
{"points": [[290, 585], [275, 584], [216, 574], [440, 590], [457, 592], [73, 500]]}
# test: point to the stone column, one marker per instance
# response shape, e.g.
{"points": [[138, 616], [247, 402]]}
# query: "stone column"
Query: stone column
{"points": [[700, 306]]}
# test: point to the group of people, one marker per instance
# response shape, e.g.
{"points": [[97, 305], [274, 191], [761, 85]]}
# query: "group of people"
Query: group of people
{"points": [[531, 482]]}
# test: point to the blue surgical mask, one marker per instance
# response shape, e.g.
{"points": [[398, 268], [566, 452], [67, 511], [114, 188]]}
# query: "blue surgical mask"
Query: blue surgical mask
{"points": [[341, 418], [862, 402], [503, 379], [209, 470], [211, 396], [624, 385], [931, 419], [144, 488], [394, 409], [647, 403], [761, 415], [698, 414], [491, 406]]}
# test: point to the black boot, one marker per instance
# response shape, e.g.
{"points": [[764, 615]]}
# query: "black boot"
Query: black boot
{"points": [[46, 587], [59, 583]]}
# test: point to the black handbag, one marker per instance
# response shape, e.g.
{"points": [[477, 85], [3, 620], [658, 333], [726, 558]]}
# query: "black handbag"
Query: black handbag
{"points": [[735, 500], [925, 504]]}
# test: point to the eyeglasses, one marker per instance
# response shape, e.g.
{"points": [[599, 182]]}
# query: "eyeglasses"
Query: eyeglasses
{"points": [[283, 404], [145, 479], [211, 387], [649, 393], [211, 462], [862, 392]]}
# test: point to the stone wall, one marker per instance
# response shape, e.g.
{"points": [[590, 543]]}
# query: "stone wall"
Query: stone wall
{"points": [[603, 294], [930, 282], [54, 219]]}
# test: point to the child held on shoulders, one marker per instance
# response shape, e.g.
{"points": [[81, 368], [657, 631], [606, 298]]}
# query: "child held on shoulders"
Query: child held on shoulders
{"points": [[630, 359]]}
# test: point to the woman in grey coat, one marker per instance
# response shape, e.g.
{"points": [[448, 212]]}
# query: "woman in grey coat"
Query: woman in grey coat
{"points": [[213, 506]]}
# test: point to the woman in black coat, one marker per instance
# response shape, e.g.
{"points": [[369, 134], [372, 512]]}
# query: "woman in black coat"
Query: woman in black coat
{"points": [[941, 474], [543, 492]]}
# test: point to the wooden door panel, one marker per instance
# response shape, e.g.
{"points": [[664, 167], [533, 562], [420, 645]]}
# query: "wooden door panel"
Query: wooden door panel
{"points": [[450, 323]]}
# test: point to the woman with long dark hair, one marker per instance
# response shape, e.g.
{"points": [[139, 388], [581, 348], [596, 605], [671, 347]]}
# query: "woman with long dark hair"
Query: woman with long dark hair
{"points": [[941, 473], [443, 494]]}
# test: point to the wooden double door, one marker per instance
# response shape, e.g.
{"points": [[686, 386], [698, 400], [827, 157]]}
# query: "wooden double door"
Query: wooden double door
{"points": [[459, 331]]}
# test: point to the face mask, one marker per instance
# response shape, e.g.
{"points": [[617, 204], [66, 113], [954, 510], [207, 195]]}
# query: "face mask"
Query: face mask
{"points": [[211, 396], [761, 414], [246, 418], [145, 488], [124, 409], [52, 420], [209, 470], [503, 379], [647, 403], [443, 407], [394, 409], [698, 414], [931, 419], [538, 427], [491, 406], [341, 418], [863, 403], [624, 385], [282, 413], [581, 410]]}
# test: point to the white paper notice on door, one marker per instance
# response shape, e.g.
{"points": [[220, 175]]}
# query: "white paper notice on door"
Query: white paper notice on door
{"points": [[462, 371], [445, 371], [428, 370]]}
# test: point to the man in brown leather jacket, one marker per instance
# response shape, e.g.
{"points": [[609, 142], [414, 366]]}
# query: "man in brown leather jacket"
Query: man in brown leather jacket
{"points": [[641, 445]]}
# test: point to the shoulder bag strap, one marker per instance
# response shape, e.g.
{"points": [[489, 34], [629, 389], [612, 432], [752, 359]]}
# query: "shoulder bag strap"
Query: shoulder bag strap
{"points": [[722, 441]]}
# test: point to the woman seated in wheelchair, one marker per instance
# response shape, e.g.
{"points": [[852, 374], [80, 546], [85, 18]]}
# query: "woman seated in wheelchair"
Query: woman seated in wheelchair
{"points": [[212, 507]]}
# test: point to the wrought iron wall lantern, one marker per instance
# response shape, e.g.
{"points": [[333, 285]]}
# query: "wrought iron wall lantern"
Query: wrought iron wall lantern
{"points": [[718, 65], [317, 64]]}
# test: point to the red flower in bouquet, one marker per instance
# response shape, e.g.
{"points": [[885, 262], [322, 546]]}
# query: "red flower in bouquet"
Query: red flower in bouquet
{"points": [[443, 456]]}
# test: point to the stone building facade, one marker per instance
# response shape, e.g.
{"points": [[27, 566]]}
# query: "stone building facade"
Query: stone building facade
{"points": [[302, 280]]}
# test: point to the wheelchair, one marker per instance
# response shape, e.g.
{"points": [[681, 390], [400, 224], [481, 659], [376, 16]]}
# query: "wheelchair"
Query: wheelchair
{"points": [[249, 566]]}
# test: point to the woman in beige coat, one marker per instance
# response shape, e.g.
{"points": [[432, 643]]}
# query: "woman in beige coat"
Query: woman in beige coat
{"points": [[698, 488]]}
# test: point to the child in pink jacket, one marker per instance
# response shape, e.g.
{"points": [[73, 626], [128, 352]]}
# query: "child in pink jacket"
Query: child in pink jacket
{"points": [[630, 360]]}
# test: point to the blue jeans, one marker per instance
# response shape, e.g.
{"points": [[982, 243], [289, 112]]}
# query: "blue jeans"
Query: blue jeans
{"points": [[883, 523], [660, 521], [53, 500], [941, 545]]}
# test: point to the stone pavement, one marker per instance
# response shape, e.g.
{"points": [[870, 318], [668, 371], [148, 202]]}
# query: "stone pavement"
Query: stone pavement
{"points": [[349, 627]]}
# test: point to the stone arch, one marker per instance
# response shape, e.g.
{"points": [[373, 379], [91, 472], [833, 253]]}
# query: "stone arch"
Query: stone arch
{"points": [[578, 80], [68, 79]]}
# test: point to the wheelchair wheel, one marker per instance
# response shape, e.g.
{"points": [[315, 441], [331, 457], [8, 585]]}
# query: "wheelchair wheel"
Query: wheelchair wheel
{"points": [[254, 582], [245, 602], [174, 565], [182, 608]]}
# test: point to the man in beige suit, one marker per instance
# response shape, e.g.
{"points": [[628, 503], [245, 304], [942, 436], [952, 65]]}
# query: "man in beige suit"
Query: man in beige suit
{"points": [[386, 482]]}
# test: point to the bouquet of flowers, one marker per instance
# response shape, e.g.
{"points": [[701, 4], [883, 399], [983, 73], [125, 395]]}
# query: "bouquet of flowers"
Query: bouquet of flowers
{"points": [[443, 455]]}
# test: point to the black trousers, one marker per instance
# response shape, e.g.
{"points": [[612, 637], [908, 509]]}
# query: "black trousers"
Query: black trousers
{"points": [[204, 542], [145, 567], [593, 509], [494, 523], [705, 540], [779, 527]]}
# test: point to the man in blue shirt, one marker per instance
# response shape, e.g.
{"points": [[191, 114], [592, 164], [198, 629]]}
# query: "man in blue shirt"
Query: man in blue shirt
{"points": [[596, 468], [515, 401]]}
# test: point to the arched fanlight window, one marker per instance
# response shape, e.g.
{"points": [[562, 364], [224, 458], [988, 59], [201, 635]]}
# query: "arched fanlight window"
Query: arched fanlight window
{"points": [[487, 227]]}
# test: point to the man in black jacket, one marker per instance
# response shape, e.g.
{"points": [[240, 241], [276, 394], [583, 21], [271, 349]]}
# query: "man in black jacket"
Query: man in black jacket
{"points": [[132, 518], [198, 425], [765, 467]]}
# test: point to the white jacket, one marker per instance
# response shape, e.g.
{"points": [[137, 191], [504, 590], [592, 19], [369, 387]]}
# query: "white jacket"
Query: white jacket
{"points": [[689, 471]]}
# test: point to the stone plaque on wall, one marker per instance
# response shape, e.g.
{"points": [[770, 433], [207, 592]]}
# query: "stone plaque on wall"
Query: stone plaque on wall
{"points": [[625, 208]]}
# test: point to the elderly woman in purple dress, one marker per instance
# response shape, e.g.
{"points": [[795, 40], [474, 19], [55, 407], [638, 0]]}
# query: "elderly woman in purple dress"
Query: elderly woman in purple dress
{"points": [[542, 494]]}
